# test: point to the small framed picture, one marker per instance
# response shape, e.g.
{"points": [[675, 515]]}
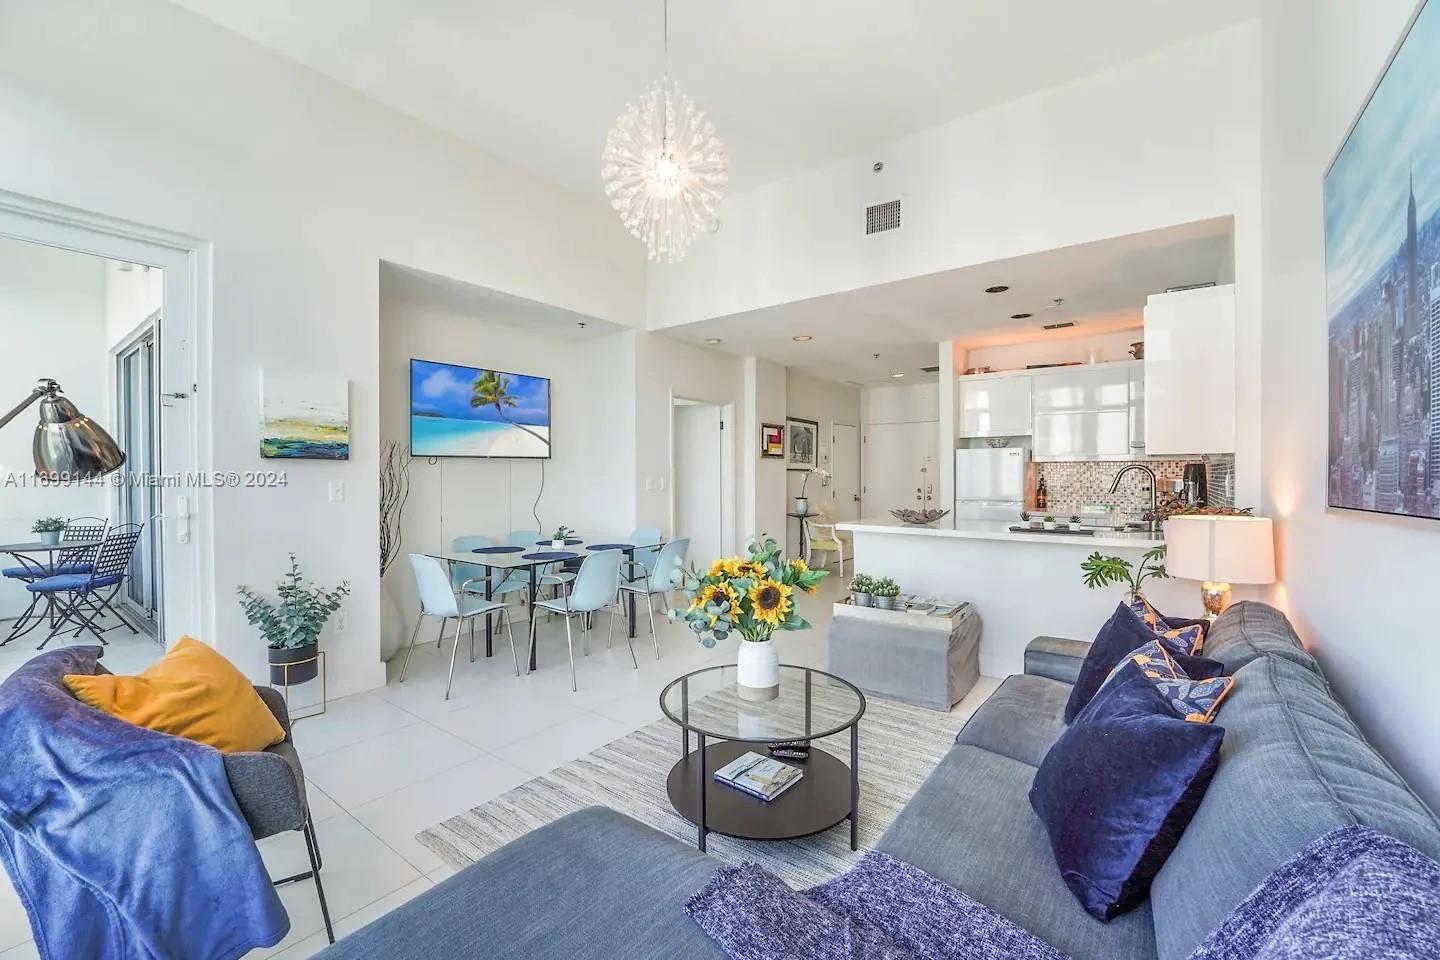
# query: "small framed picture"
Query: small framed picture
{"points": [[802, 447], [772, 440]]}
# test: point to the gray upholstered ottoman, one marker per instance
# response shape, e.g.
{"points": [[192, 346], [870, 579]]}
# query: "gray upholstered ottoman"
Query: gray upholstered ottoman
{"points": [[925, 660]]}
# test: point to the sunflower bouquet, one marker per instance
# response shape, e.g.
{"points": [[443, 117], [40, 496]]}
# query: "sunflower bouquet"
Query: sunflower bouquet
{"points": [[753, 596]]}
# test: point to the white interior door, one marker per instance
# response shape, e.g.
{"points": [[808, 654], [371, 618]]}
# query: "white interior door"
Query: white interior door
{"points": [[699, 464], [845, 470], [899, 468]]}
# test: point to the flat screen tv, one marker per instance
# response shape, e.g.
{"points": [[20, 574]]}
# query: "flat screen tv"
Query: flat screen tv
{"points": [[460, 411]]}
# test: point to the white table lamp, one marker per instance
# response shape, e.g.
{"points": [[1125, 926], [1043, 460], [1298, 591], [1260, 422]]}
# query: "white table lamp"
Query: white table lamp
{"points": [[1219, 551]]}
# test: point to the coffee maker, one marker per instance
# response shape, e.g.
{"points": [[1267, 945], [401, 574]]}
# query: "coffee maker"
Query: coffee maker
{"points": [[1197, 487]]}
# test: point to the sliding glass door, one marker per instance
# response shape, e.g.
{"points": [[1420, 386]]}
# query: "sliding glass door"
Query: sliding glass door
{"points": [[137, 381]]}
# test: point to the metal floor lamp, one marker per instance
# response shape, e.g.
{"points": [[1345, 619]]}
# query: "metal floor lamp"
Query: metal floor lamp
{"points": [[69, 446]]}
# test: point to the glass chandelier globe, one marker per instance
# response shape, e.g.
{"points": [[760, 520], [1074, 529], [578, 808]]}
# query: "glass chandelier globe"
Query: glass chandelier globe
{"points": [[665, 171]]}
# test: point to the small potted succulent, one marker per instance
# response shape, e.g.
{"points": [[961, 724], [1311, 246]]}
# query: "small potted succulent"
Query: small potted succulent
{"points": [[292, 628], [886, 593], [561, 534], [1074, 519], [862, 590], [49, 528], [1049, 522]]}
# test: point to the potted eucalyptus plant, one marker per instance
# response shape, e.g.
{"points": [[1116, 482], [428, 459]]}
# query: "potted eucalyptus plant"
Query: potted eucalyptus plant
{"points": [[292, 627], [49, 529]]}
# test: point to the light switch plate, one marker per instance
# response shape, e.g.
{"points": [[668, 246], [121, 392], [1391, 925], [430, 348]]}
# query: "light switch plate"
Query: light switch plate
{"points": [[337, 491]]}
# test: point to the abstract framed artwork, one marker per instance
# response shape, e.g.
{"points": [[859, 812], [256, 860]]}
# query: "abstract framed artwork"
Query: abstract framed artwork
{"points": [[304, 416], [1382, 287], [772, 440], [802, 444]]}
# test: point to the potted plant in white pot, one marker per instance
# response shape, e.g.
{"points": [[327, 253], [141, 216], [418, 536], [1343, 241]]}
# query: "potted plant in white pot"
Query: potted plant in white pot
{"points": [[1049, 522], [752, 597], [292, 628], [561, 534], [49, 529]]}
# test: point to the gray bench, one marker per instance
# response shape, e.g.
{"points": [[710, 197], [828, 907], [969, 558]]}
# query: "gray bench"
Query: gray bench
{"points": [[929, 661]]}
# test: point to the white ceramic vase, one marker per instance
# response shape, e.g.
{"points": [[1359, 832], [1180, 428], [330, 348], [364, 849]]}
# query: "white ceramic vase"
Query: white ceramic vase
{"points": [[757, 670]]}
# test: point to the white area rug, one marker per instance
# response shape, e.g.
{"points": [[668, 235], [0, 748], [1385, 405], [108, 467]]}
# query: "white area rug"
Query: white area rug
{"points": [[899, 746]]}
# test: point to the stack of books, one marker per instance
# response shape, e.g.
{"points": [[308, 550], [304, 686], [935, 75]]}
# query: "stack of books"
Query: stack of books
{"points": [[759, 776]]}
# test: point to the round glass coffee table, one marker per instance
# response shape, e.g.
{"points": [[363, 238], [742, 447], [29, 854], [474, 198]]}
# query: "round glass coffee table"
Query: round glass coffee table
{"points": [[812, 704]]}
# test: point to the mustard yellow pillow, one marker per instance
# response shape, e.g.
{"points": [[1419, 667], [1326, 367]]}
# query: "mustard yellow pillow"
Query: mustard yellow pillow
{"points": [[191, 692]]}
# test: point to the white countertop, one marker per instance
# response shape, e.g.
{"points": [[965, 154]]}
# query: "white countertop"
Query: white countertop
{"points": [[1000, 530]]}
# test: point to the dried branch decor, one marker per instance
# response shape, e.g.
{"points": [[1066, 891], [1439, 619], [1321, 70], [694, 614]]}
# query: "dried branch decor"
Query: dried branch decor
{"points": [[394, 492]]}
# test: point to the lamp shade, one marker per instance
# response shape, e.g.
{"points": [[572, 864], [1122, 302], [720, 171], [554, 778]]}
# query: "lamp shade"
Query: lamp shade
{"points": [[70, 446], [1220, 549]]}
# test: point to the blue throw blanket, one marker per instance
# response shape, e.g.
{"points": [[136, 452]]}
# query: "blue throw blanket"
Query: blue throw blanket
{"points": [[123, 843], [1353, 894]]}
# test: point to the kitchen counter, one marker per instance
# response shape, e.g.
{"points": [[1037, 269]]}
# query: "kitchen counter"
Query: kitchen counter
{"points": [[1000, 530], [1023, 585]]}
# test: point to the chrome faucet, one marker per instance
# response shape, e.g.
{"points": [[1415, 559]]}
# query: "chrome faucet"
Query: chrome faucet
{"points": [[1153, 523]]}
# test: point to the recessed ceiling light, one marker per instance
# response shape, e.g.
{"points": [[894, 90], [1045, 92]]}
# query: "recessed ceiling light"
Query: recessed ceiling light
{"points": [[998, 288], [713, 341], [896, 376], [803, 338], [1021, 316]]}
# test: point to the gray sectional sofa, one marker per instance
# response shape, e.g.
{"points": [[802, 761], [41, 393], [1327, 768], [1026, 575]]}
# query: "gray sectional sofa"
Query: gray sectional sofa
{"points": [[1294, 766]]}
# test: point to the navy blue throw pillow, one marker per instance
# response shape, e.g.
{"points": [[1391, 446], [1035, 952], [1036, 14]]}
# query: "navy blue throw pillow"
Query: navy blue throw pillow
{"points": [[1118, 789], [1121, 634]]}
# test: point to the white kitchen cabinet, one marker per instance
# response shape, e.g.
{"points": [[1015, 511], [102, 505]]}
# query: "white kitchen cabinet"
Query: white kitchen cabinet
{"points": [[1190, 372], [1083, 413], [994, 406], [1137, 410]]}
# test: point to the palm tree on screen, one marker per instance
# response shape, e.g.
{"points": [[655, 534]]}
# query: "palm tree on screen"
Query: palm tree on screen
{"points": [[491, 391]]}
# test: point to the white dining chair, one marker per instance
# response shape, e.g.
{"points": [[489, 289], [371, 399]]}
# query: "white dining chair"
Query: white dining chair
{"points": [[439, 599], [596, 587], [664, 576]]}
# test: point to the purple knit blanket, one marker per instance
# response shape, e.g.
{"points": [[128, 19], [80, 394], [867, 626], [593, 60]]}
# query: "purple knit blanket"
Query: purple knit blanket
{"points": [[1353, 894], [881, 909]]}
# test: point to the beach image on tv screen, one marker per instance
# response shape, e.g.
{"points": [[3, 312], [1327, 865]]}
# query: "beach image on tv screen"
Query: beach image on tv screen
{"points": [[460, 411]]}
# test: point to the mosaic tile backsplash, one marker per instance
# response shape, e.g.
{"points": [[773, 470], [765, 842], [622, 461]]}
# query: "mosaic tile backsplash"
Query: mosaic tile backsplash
{"points": [[1073, 483]]}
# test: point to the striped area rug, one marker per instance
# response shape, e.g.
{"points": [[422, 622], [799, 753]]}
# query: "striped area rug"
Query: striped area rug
{"points": [[899, 746]]}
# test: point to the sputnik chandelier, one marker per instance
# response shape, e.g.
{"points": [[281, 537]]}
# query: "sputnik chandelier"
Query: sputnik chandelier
{"points": [[665, 170]]}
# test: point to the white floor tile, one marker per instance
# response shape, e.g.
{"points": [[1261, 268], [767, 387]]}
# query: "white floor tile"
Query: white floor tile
{"points": [[397, 817], [506, 717], [358, 870], [321, 806], [365, 771], [544, 751], [346, 721], [14, 924], [23, 951]]}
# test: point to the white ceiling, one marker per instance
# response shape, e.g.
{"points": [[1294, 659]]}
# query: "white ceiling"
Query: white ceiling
{"points": [[788, 84], [1104, 285]]}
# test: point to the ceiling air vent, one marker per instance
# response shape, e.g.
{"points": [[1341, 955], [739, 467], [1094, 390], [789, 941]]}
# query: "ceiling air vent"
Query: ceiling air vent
{"points": [[1059, 326], [934, 369], [882, 217]]}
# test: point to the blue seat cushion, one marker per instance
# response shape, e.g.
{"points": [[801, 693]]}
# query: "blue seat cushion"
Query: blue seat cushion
{"points": [[45, 570], [593, 885], [970, 826], [1021, 720], [72, 581]]}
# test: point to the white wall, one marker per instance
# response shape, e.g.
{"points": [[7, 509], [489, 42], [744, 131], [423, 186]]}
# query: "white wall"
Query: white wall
{"points": [[585, 485], [52, 324], [762, 479], [1359, 587], [147, 112], [132, 294], [825, 402]]}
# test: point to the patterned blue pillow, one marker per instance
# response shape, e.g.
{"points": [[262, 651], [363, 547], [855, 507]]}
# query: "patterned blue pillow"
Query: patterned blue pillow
{"points": [[1180, 636], [1191, 699]]}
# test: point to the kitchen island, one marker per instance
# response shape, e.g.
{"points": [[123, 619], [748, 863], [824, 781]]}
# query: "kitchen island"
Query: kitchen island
{"points": [[1023, 584]]}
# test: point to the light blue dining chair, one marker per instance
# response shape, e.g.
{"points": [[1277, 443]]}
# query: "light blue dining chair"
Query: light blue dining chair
{"points": [[501, 582], [439, 599], [644, 560], [596, 587], [530, 539], [664, 577]]}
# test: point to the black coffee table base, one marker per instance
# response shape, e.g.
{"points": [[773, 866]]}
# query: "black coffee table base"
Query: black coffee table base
{"points": [[825, 797]]}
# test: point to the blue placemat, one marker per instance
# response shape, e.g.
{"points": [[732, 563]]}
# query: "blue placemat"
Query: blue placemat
{"points": [[612, 546], [550, 555], [570, 542], [497, 549]]}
